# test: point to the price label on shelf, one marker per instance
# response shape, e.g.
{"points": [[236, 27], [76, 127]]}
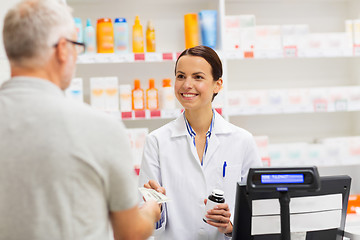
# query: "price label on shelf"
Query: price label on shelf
{"points": [[140, 114], [167, 56], [356, 49], [290, 51], [249, 54], [155, 113], [139, 57], [126, 115], [153, 57]]}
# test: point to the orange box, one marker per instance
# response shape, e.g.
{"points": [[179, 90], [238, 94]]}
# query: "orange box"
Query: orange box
{"points": [[191, 30], [354, 203]]}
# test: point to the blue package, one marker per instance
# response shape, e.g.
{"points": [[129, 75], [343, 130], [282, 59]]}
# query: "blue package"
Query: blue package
{"points": [[208, 25]]}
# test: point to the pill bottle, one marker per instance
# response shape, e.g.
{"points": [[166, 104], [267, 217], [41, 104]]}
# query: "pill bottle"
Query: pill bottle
{"points": [[215, 198]]}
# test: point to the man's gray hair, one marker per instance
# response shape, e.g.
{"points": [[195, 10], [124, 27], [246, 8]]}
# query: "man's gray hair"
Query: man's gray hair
{"points": [[33, 27]]}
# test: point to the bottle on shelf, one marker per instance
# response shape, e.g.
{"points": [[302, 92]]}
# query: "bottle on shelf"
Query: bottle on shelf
{"points": [[152, 96], [137, 37], [167, 95], [208, 25], [79, 29], [89, 37], [191, 30], [105, 36], [121, 35], [150, 37], [137, 95]]}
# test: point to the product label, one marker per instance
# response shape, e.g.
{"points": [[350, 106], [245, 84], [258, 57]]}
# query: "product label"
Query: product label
{"points": [[152, 99], [138, 100], [97, 92], [111, 91]]}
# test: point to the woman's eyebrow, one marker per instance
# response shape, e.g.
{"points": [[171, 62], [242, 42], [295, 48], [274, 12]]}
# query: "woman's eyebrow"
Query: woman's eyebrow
{"points": [[198, 73]]}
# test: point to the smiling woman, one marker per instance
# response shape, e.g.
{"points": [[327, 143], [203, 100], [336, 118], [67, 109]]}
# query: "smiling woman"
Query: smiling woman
{"points": [[184, 159], [195, 85]]}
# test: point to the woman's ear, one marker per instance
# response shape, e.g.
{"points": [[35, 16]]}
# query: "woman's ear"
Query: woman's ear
{"points": [[218, 85]]}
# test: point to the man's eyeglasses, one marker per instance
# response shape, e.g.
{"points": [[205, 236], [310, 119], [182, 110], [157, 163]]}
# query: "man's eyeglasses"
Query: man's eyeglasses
{"points": [[80, 47]]}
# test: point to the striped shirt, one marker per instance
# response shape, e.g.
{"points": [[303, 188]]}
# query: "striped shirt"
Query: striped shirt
{"points": [[193, 134]]}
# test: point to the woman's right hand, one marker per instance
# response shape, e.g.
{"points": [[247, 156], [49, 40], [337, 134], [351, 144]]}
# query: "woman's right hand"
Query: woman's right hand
{"points": [[152, 184]]}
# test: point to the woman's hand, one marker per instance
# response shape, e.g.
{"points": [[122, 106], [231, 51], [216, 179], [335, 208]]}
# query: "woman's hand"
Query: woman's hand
{"points": [[152, 184], [220, 217]]}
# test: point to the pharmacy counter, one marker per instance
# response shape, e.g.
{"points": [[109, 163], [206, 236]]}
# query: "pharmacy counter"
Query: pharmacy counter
{"points": [[352, 228]]}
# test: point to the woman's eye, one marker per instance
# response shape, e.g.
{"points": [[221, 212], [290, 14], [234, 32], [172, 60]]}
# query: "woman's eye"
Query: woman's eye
{"points": [[198, 77], [180, 76]]}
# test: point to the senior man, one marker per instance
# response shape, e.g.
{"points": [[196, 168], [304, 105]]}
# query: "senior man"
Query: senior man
{"points": [[65, 170]]}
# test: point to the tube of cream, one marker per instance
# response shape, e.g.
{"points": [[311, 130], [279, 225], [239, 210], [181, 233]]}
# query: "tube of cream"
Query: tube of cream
{"points": [[208, 25]]}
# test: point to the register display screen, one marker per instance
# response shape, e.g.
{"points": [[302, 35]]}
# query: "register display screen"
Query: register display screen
{"points": [[282, 178]]}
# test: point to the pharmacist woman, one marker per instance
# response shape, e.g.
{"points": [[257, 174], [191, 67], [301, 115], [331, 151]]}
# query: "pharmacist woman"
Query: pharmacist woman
{"points": [[198, 152]]}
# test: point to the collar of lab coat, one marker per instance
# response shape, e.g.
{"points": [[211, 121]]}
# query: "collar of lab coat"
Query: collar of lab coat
{"points": [[221, 126]]}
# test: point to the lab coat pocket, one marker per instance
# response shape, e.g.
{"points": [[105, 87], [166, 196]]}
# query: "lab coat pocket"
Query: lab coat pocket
{"points": [[227, 173], [230, 176]]}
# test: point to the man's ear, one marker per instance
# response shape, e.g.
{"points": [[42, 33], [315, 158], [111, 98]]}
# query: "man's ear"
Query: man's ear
{"points": [[61, 50]]}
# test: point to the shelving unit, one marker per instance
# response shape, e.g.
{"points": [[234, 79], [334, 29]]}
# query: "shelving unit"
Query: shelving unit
{"points": [[266, 70]]}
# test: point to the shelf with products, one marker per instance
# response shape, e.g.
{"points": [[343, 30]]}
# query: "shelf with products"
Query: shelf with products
{"points": [[126, 57], [283, 68], [325, 152], [226, 55], [150, 114]]}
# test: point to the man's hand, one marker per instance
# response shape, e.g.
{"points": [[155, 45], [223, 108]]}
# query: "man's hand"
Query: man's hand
{"points": [[152, 184]]}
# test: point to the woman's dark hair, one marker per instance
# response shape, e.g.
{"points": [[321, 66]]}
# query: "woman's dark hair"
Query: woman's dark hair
{"points": [[209, 55]]}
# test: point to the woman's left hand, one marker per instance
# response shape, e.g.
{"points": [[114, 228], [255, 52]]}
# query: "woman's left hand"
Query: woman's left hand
{"points": [[220, 217]]}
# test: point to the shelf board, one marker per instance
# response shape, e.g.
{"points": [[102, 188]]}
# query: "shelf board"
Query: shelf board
{"points": [[126, 57], [224, 55], [232, 112], [251, 111], [150, 114]]}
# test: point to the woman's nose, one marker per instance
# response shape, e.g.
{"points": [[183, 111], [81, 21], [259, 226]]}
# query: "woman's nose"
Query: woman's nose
{"points": [[188, 82]]}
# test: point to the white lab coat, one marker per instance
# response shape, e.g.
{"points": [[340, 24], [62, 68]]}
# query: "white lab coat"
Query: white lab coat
{"points": [[171, 159]]}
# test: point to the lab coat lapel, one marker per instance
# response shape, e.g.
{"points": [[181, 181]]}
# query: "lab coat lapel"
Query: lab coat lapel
{"points": [[179, 130], [221, 126], [213, 145]]}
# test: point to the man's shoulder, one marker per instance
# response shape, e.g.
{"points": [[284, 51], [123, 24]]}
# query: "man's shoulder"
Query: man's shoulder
{"points": [[84, 114]]}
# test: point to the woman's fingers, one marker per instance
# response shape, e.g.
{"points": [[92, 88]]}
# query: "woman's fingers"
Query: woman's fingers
{"points": [[155, 185]]}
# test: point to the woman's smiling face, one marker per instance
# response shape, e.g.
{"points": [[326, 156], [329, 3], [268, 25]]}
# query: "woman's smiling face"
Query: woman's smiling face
{"points": [[194, 84]]}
